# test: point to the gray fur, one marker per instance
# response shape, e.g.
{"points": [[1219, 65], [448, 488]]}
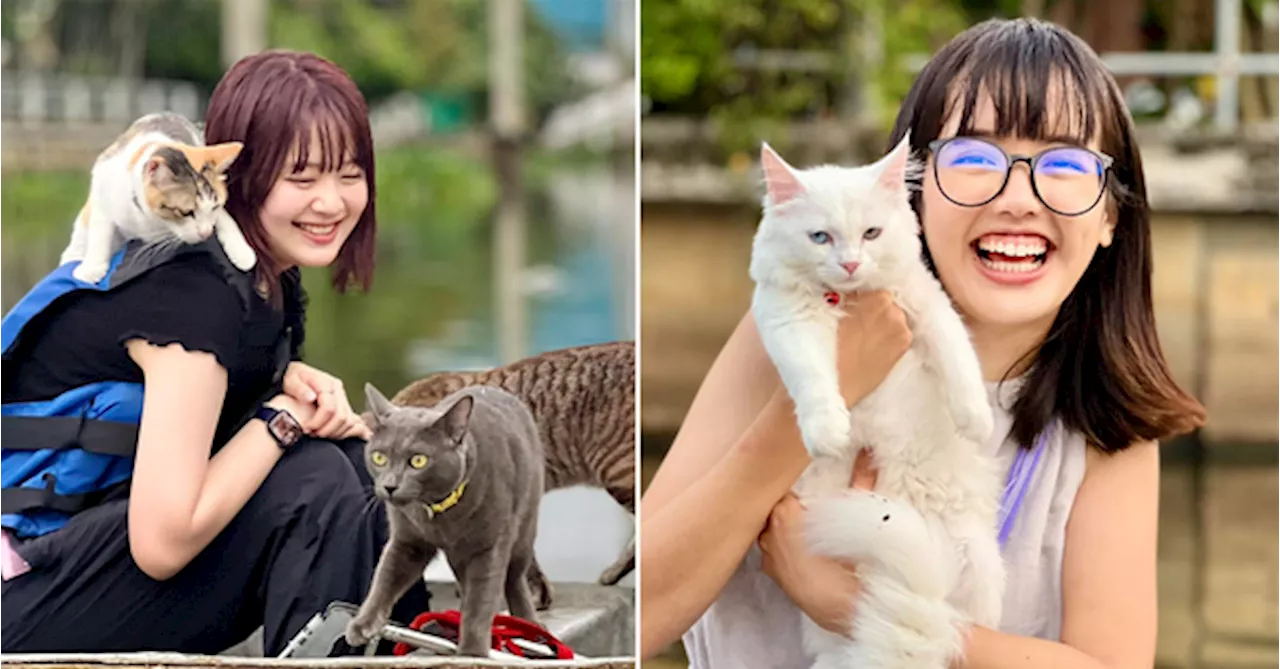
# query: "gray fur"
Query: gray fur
{"points": [[487, 436], [174, 126]]}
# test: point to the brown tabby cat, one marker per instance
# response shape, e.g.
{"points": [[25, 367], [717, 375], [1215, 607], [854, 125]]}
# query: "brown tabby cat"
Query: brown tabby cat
{"points": [[583, 399], [157, 182]]}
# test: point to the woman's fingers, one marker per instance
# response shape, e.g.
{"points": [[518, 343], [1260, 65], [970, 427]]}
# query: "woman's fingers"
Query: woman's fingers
{"points": [[864, 472]]}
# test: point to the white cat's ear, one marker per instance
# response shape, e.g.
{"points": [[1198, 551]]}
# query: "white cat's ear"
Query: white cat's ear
{"points": [[895, 167], [376, 404], [780, 179], [455, 420]]}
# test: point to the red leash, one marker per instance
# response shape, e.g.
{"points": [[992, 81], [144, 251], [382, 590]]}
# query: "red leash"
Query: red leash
{"points": [[506, 630]]}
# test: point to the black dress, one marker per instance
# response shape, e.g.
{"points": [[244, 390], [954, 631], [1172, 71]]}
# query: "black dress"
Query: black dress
{"points": [[311, 534]]}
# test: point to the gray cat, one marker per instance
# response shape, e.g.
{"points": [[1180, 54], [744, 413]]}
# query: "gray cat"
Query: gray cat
{"points": [[465, 477]]}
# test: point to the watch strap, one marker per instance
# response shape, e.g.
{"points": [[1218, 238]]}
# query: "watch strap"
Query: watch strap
{"points": [[283, 427]]}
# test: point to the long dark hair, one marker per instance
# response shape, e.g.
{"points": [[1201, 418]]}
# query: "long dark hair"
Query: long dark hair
{"points": [[1100, 368]]}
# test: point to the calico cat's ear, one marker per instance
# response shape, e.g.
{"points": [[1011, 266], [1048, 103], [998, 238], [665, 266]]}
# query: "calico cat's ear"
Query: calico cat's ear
{"points": [[159, 174], [779, 178], [222, 155], [377, 405], [895, 166], [455, 420]]}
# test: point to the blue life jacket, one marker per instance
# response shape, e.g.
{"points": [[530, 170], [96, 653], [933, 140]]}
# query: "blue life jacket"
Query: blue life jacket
{"points": [[63, 455]]}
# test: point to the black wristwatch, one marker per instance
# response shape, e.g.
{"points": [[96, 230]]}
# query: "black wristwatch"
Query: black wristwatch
{"points": [[281, 425]]}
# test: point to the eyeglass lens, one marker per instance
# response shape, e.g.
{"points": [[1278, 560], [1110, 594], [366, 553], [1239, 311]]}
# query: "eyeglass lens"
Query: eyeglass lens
{"points": [[971, 172]]}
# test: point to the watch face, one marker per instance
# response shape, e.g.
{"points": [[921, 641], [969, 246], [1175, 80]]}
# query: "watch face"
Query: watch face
{"points": [[285, 428]]}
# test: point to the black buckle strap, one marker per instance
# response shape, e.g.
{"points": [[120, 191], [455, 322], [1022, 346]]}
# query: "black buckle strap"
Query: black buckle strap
{"points": [[33, 433], [21, 500]]}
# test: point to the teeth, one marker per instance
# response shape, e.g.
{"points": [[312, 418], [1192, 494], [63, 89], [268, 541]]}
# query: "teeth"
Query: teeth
{"points": [[1019, 249], [1012, 267], [318, 229]]}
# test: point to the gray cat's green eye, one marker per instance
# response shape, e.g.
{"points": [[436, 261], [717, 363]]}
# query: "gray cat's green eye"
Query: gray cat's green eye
{"points": [[418, 461], [378, 458], [871, 233]]}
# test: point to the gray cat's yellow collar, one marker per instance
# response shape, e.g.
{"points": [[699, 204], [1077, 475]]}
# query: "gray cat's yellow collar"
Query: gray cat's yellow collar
{"points": [[446, 503]]}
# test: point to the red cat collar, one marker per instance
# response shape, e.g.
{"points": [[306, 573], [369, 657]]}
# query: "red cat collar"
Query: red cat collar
{"points": [[832, 298], [506, 631]]}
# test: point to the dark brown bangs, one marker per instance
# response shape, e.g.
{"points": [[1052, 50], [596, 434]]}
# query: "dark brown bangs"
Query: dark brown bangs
{"points": [[1040, 88], [332, 123]]}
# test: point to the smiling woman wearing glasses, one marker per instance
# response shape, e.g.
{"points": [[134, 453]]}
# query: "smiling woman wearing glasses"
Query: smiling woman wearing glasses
{"points": [[1034, 217]]}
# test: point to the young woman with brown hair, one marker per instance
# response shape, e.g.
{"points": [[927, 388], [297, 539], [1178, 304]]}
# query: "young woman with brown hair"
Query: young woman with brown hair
{"points": [[1054, 284], [248, 503]]}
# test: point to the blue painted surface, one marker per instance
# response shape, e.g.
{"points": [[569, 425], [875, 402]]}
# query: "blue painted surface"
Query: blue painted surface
{"points": [[581, 24]]}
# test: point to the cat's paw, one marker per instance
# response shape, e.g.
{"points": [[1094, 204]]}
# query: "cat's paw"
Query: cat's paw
{"points": [[363, 628], [242, 256], [826, 432], [987, 606], [90, 272], [973, 418]]}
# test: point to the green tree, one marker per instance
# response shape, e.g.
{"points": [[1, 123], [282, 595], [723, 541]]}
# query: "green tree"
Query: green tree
{"points": [[749, 65], [435, 45], [385, 45]]}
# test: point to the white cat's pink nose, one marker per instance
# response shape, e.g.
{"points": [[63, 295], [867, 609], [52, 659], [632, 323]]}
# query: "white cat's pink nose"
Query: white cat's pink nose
{"points": [[850, 267]]}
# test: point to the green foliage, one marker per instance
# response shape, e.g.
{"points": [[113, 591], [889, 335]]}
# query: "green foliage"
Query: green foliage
{"points": [[439, 45], [912, 27], [31, 202], [180, 43], [689, 66], [387, 46]]}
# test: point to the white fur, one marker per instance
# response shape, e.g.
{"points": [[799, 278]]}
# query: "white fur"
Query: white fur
{"points": [[114, 218], [925, 541]]}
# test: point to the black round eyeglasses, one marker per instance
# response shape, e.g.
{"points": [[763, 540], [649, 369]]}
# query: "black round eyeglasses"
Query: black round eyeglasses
{"points": [[971, 172]]}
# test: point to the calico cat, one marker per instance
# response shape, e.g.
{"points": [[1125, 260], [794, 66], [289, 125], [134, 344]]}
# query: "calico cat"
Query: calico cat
{"points": [[463, 477], [159, 183], [583, 399], [925, 539]]}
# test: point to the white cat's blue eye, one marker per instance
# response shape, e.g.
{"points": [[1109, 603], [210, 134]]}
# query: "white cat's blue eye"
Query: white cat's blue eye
{"points": [[820, 237], [871, 233]]}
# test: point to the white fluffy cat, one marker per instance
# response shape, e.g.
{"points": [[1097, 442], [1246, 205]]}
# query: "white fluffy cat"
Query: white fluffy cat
{"points": [[926, 539], [157, 182]]}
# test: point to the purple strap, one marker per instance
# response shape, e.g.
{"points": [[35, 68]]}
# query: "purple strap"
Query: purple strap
{"points": [[1021, 472]]}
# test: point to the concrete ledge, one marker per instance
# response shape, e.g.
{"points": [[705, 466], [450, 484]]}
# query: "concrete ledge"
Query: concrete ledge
{"points": [[595, 621]]}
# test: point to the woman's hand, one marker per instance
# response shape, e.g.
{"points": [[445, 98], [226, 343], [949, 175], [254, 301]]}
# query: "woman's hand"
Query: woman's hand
{"points": [[873, 335], [333, 417], [824, 588]]}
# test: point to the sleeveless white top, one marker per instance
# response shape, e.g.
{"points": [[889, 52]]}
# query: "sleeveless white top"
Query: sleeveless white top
{"points": [[753, 624]]}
